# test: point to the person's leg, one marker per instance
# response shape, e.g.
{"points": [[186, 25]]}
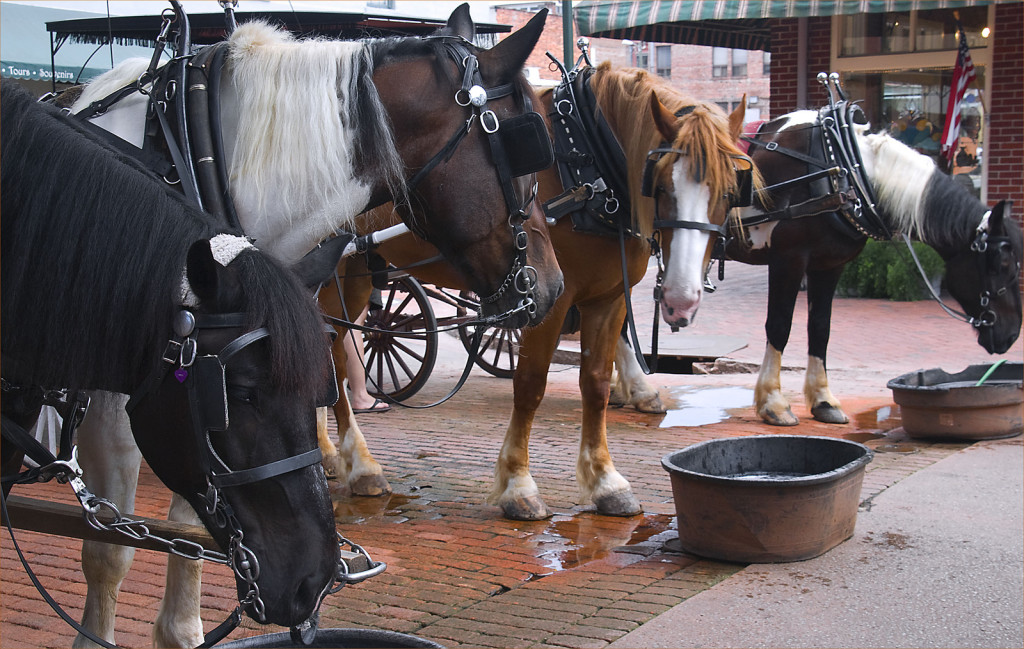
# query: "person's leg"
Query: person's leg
{"points": [[358, 396]]}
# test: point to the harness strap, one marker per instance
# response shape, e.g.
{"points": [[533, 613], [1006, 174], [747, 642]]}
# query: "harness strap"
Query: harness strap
{"points": [[774, 146], [255, 474], [202, 71], [811, 207]]}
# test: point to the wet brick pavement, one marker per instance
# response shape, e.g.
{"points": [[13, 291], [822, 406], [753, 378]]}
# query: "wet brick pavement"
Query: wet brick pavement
{"points": [[461, 575]]}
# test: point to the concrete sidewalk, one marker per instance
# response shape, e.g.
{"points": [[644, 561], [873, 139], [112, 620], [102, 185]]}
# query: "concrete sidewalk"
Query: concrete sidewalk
{"points": [[935, 561]]}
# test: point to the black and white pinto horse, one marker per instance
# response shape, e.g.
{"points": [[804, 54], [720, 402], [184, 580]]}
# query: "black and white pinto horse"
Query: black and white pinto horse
{"points": [[315, 131], [798, 228], [110, 282]]}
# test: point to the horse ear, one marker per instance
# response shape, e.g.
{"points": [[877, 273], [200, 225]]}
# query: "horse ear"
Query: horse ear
{"points": [[460, 23], [736, 119], [201, 270], [999, 214], [505, 60], [663, 119], [317, 267]]}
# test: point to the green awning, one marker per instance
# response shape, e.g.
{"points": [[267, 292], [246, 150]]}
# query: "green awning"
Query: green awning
{"points": [[740, 24]]}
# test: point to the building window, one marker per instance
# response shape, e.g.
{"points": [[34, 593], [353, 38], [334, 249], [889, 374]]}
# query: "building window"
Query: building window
{"points": [[643, 60], [739, 63], [663, 54], [766, 64], [911, 106], [898, 32], [724, 105], [719, 61]]}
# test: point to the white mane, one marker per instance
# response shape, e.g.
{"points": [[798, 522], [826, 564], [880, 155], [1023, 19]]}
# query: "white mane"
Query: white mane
{"points": [[293, 157], [899, 176]]}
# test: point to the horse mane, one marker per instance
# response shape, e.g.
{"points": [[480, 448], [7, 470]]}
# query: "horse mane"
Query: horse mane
{"points": [[310, 116], [94, 251], [916, 197], [625, 94]]}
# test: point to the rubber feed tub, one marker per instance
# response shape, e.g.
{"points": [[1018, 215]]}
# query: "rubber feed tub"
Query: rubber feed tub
{"points": [[981, 402], [766, 498], [367, 638]]}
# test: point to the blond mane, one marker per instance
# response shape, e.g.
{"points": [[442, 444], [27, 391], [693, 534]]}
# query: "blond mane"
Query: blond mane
{"points": [[625, 99]]}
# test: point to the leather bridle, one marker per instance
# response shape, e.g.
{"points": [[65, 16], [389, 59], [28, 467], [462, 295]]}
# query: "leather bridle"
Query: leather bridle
{"points": [[204, 378], [472, 94]]}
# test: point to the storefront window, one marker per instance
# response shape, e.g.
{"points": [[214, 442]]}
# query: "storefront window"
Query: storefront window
{"points": [[880, 33], [911, 106], [936, 28], [925, 30]]}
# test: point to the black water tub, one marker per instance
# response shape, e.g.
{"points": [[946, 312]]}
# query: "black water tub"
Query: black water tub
{"points": [[341, 638], [766, 498]]}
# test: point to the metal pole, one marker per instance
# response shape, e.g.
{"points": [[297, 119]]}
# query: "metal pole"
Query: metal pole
{"points": [[567, 39]]}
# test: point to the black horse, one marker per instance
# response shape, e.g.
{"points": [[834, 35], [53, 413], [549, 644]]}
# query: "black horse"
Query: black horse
{"points": [[110, 282], [817, 215]]}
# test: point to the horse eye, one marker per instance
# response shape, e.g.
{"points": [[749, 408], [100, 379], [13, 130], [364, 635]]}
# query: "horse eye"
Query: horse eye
{"points": [[243, 394]]}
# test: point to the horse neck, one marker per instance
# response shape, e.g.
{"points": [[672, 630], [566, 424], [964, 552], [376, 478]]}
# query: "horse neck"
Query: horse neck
{"points": [[292, 113], [918, 199]]}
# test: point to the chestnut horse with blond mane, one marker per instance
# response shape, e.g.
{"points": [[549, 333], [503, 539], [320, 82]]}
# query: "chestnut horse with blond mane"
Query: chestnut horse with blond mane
{"points": [[690, 187]]}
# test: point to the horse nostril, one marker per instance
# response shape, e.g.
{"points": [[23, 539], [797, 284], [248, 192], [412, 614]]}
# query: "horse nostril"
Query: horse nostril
{"points": [[670, 310], [561, 289]]}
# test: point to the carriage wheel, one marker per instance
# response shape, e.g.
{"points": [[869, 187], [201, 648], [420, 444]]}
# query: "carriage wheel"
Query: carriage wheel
{"points": [[399, 366], [499, 349]]}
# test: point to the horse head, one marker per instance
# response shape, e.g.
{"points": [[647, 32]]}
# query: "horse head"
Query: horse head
{"points": [[234, 430], [701, 175], [985, 279], [475, 142]]}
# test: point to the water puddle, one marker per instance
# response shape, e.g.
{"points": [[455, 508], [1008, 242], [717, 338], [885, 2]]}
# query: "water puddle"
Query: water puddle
{"points": [[349, 510], [572, 541], [881, 419], [703, 406]]}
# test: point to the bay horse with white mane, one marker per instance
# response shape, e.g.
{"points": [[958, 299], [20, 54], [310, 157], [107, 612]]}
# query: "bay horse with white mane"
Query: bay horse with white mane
{"points": [[316, 131], [692, 180], [805, 225], [104, 293]]}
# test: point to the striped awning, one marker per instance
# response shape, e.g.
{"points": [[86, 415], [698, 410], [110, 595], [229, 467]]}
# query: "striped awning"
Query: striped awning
{"points": [[740, 24]]}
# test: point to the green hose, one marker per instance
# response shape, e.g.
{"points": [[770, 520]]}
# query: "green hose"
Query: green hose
{"points": [[988, 372]]}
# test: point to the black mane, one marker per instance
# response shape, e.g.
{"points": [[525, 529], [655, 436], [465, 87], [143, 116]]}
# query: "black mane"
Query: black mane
{"points": [[93, 256]]}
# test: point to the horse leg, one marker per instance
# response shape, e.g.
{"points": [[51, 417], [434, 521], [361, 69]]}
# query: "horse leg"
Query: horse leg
{"points": [[351, 461], [110, 461], [784, 276], [598, 480], [821, 288], [629, 383], [514, 489], [178, 622]]}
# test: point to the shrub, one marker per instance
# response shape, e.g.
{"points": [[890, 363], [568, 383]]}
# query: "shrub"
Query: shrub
{"points": [[884, 269]]}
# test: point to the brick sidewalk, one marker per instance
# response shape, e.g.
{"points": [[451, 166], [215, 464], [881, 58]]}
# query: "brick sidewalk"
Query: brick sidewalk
{"points": [[461, 575]]}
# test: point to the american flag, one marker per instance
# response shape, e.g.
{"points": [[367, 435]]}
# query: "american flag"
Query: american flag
{"points": [[963, 76]]}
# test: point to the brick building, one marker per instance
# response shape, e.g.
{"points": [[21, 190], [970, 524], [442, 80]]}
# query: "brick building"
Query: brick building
{"points": [[721, 75]]}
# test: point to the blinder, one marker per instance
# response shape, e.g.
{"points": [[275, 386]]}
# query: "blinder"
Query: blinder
{"points": [[209, 392], [527, 144], [744, 195]]}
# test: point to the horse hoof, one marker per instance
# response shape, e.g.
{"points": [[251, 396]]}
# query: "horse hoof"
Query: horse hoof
{"points": [[650, 405], [333, 467], [619, 503], [829, 414], [528, 508], [786, 418], [615, 399], [371, 485]]}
